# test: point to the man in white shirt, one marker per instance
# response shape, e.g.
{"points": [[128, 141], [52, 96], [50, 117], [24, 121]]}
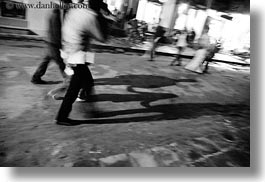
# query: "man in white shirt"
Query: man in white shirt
{"points": [[79, 27]]}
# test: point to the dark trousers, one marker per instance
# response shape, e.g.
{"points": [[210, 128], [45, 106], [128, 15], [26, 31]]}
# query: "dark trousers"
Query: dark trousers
{"points": [[158, 38], [53, 53], [82, 78], [177, 56]]}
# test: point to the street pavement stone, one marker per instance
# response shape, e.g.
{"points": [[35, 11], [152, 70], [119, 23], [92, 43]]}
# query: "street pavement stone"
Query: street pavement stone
{"points": [[121, 160], [207, 142], [143, 159], [203, 147], [166, 157], [222, 160]]}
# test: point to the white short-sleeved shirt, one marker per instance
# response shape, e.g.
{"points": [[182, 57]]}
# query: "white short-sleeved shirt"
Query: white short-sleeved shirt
{"points": [[79, 26], [182, 42]]}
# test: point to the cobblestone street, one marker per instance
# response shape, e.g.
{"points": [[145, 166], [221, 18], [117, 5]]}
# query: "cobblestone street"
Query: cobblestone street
{"points": [[153, 114]]}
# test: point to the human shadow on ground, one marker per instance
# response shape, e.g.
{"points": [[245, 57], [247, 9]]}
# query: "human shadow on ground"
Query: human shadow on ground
{"points": [[132, 82], [169, 112], [145, 98], [158, 112], [141, 81], [49, 82]]}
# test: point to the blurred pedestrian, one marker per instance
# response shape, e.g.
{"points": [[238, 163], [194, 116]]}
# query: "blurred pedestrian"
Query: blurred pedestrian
{"points": [[196, 64], [53, 46], [80, 26], [213, 48], [181, 45], [102, 15], [191, 37], [158, 38]]}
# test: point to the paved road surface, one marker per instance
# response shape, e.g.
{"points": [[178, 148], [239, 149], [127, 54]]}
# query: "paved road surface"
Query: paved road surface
{"points": [[154, 114]]}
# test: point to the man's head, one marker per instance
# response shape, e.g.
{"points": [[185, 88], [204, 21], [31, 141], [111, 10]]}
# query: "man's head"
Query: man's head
{"points": [[77, 1], [95, 4]]}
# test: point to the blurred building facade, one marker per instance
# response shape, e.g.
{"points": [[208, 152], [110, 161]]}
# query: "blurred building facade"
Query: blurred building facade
{"points": [[12, 19], [125, 6], [228, 20], [33, 20]]}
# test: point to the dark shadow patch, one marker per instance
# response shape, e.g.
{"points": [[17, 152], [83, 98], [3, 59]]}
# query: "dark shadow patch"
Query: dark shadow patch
{"points": [[86, 163], [194, 155], [141, 81], [166, 112], [50, 83]]}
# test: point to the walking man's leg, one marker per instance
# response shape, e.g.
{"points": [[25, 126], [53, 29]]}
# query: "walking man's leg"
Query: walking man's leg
{"points": [[153, 48], [87, 92], [71, 95], [152, 51], [206, 66], [81, 75], [177, 57], [56, 55], [41, 70]]}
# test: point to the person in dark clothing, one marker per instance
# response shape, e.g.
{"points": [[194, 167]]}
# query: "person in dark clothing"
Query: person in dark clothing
{"points": [[158, 37], [101, 9], [191, 36], [53, 48]]}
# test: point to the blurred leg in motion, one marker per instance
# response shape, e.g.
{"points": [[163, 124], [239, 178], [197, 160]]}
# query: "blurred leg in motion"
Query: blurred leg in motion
{"points": [[82, 76]]}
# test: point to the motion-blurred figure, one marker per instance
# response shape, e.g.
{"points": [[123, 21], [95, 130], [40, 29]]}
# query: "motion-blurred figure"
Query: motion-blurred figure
{"points": [[181, 45], [158, 37], [203, 53], [191, 37], [213, 48], [80, 26], [53, 46]]}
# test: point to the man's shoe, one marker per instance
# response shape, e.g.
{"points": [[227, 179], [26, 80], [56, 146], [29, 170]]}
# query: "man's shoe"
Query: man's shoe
{"points": [[38, 81], [81, 100], [179, 64], [55, 96], [66, 122]]}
